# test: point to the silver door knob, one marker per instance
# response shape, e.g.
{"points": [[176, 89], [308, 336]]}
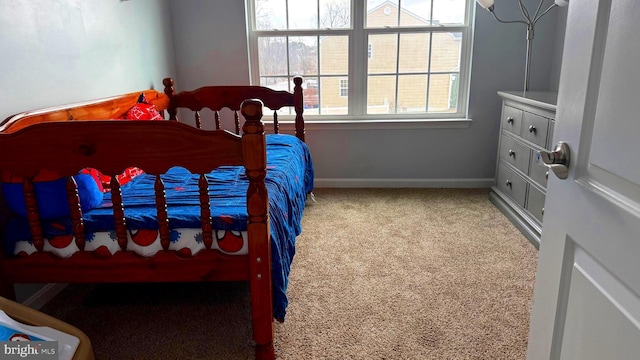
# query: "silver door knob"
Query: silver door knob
{"points": [[557, 160]]}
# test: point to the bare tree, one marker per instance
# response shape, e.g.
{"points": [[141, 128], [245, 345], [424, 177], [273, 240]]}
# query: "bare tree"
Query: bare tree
{"points": [[273, 55], [335, 14], [263, 15], [302, 55]]}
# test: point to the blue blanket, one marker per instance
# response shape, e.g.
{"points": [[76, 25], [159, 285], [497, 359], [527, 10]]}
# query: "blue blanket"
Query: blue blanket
{"points": [[289, 179]]}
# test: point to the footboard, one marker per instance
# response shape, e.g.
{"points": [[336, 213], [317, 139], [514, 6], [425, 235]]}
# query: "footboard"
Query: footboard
{"points": [[48, 140]]}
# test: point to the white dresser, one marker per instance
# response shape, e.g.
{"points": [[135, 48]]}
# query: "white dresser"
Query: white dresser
{"points": [[526, 127]]}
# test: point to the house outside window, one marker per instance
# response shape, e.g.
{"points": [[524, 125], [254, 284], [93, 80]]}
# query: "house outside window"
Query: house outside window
{"points": [[420, 69]]}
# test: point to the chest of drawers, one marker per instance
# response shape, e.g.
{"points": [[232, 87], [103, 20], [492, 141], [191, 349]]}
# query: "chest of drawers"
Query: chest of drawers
{"points": [[526, 126]]}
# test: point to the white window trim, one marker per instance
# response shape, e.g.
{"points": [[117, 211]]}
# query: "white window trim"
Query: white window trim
{"points": [[397, 124], [358, 73]]}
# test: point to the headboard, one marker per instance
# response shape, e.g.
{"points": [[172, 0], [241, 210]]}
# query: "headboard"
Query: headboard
{"points": [[217, 98], [213, 97]]}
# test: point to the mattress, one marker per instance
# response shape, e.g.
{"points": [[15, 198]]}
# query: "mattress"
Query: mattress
{"points": [[144, 242]]}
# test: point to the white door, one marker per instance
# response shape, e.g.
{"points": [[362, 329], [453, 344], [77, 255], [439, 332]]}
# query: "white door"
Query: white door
{"points": [[587, 292]]}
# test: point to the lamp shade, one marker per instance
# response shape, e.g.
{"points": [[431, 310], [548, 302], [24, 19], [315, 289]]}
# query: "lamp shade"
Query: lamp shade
{"points": [[485, 3]]}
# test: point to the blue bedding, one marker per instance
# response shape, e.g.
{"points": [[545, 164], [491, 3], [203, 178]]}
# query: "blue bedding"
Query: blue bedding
{"points": [[289, 179]]}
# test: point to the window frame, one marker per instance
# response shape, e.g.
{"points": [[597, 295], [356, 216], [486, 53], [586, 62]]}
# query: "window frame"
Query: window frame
{"points": [[358, 63]]}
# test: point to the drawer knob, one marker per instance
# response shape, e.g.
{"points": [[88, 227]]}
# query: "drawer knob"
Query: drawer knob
{"points": [[546, 175], [542, 211], [512, 153], [508, 183], [509, 120], [532, 129]]}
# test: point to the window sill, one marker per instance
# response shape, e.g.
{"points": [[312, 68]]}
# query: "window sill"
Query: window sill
{"points": [[404, 124]]}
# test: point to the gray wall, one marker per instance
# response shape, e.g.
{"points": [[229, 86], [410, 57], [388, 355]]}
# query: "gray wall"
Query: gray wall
{"points": [[210, 40], [561, 25], [57, 52], [408, 157]]}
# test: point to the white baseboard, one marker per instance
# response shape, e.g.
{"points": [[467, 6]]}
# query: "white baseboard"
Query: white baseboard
{"points": [[403, 183], [44, 295]]}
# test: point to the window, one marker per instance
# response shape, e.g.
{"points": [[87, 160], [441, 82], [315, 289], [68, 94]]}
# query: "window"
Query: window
{"points": [[344, 88], [420, 69]]}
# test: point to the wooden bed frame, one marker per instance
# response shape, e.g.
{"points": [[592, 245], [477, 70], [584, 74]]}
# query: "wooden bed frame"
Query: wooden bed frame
{"points": [[30, 140]]}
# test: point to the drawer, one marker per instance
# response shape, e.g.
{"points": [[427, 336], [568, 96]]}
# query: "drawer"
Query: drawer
{"points": [[512, 119], [515, 153], [511, 184], [535, 202], [534, 128], [539, 173]]}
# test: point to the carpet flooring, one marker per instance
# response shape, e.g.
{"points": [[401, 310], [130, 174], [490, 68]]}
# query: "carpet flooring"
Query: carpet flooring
{"points": [[378, 274]]}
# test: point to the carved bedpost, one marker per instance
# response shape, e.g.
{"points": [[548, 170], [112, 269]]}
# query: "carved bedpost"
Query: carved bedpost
{"points": [[33, 215], [170, 92], [118, 213], [198, 121], [216, 116], [276, 124], [163, 217], [236, 120], [298, 105], [205, 212], [75, 212], [255, 162]]}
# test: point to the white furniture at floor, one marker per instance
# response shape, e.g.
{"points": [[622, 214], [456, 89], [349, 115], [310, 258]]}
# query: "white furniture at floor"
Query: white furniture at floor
{"points": [[29, 316], [526, 127]]}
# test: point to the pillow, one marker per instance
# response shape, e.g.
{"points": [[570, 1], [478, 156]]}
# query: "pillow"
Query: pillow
{"points": [[51, 194], [104, 181], [143, 111], [97, 177], [128, 174]]}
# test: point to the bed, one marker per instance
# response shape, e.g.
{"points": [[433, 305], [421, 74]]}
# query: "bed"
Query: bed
{"points": [[178, 202]]}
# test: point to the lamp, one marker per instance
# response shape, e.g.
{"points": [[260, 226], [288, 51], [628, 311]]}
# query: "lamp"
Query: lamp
{"points": [[530, 22]]}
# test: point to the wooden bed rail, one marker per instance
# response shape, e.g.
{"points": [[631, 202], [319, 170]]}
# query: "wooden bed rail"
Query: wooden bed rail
{"points": [[217, 98]]}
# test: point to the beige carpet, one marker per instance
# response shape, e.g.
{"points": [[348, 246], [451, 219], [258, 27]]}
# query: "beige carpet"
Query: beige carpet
{"points": [[378, 274]]}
